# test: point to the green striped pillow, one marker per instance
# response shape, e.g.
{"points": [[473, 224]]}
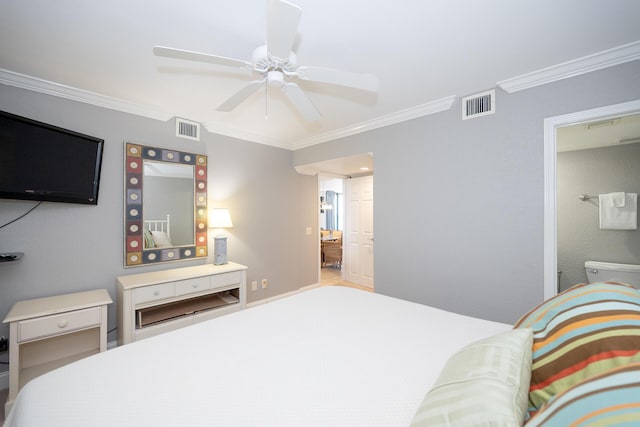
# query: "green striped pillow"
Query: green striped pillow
{"points": [[148, 239], [483, 384], [610, 399], [582, 332]]}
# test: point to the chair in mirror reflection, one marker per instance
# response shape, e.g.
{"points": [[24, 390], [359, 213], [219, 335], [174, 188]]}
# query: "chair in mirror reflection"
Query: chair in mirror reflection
{"points": [[331, 248]]}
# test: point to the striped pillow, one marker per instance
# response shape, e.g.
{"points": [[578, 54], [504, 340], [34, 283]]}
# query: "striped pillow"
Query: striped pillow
{"points": [[612, 398], [148, 239], [483, 384], [582, 332]]}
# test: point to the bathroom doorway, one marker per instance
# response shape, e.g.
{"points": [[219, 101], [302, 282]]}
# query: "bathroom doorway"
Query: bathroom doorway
{"points": [[593, 158], [555, 127]]}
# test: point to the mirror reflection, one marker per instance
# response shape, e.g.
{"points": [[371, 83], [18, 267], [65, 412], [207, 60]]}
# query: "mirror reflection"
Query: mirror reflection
{"points": [[165, 206], [168, 214]]}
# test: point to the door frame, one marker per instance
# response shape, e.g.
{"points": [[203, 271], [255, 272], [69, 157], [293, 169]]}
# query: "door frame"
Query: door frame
{"points": [[551, 124]]}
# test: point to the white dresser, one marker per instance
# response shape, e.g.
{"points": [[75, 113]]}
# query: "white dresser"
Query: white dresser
{"points": [[161, 301], [47, 333]]}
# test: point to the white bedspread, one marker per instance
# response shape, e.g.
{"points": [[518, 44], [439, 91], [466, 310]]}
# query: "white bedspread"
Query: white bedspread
{"points": [[332, 356]]}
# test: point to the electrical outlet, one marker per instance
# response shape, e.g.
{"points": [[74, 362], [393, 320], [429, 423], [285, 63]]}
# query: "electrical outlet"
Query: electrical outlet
{"points": [[254, 285], [265, 284], [4, 344]]}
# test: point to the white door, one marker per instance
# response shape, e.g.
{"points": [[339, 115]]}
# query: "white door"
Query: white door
{"points": [[358, 239]]}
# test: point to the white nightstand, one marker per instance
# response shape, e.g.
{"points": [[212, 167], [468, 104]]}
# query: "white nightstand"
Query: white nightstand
{"points": [[46, 333]]}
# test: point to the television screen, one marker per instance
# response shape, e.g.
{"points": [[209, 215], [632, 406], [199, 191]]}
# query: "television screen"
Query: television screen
{"points": [[44, 162]]}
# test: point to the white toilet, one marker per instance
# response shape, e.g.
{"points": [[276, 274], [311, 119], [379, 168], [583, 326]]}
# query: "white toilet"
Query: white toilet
{"points": [[609, 272]]}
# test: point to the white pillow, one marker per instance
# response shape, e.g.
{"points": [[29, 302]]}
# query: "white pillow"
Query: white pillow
{"points": [[161, 239], [484, 384]]}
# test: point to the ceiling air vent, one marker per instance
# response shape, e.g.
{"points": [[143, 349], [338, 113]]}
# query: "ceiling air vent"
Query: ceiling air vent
{"points": [[480, 104], [187, 129]]}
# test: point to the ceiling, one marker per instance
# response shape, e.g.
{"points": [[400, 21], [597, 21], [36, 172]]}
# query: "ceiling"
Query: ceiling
{"points": [[600, 133], [361, 164], [426, 55]]}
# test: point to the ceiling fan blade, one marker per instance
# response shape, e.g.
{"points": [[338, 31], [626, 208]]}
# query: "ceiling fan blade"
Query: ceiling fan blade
{"points": [[188, 55], [282, 27], [367, 82], [240, 96], [301, 101]]}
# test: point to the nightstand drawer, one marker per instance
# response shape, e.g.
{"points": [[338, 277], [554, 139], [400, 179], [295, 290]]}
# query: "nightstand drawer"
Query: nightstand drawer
{"points": [[197, 284], [58, 324], [154, 292]]}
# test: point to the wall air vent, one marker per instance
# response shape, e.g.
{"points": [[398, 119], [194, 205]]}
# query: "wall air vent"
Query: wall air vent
{"points": [[187, 129], [480, 104]]}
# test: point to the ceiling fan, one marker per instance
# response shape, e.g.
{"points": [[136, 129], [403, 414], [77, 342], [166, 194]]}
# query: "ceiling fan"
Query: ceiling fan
{"points": [[276, 64]]}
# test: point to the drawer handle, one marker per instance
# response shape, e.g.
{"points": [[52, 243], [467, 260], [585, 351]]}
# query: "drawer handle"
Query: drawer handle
{"points": [[156, 293], [194, 286], [62, 324]]}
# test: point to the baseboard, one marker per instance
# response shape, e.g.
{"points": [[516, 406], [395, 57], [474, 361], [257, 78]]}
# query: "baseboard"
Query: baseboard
{"points": [[286, 294]]}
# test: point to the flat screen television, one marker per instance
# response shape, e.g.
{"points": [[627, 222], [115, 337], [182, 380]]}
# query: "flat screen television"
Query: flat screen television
{"points": [[39, 161]]}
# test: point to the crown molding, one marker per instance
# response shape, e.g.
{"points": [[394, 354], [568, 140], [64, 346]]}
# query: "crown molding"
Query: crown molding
{"points": [[35, 84], [597, 61], [432, 107]]}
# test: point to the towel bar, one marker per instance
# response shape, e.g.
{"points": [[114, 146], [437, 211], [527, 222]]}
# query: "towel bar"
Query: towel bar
{"points": [[585, 197]]}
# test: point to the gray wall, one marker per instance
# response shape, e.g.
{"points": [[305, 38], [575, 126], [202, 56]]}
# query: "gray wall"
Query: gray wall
{"points": [[459, 204], [72, 248], [309, 243], [594, 171]]}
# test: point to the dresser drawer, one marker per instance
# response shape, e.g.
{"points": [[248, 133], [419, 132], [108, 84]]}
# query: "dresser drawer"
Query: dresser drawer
{"points": [[232, 278], [197, 284], [58, 324], [154, 292]]}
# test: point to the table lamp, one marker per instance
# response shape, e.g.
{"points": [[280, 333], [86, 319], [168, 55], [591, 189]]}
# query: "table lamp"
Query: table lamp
{"points": [[220, 218]]}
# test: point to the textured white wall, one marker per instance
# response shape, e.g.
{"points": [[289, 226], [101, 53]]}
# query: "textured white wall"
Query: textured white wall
{"points": [[594, 171]]}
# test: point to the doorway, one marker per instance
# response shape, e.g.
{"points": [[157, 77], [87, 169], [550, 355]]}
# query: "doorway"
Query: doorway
{"points": [[340, 169], [597, 157], [551, 127], [346, 230]]}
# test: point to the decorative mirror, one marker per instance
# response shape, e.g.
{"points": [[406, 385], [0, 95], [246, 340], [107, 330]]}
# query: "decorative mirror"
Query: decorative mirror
{"points": [[165, 205]]}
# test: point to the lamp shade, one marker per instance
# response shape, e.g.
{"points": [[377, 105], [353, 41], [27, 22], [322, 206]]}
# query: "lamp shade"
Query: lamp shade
{"points": [[220, 218]]}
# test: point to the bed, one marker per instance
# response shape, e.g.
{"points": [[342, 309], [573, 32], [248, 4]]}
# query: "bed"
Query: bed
{"points": [[331, 356]]}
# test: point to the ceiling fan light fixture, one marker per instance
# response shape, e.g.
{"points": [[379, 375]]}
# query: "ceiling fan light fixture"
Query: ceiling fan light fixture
{"points": [[275, 78]]}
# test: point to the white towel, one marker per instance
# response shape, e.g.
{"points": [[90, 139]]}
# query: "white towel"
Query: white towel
{"points": [[618, 199], [617, 214]]}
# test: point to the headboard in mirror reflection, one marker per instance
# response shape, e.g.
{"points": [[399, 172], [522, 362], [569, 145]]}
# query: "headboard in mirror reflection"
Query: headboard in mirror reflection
{"points": [[165, 205]]}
